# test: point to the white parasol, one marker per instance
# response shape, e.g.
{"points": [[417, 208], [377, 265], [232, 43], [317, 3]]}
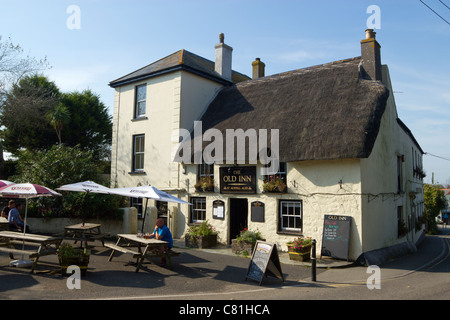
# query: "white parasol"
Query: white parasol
{"points": [[26, 190], [146, 192], [85, 186]]}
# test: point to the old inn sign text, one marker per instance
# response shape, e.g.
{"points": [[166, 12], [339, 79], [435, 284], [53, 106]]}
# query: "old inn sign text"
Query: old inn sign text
{"points": [[238, 179]]}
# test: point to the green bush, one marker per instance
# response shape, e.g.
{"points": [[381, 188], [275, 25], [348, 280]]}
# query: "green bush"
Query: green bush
{"points": [[62, 165]]}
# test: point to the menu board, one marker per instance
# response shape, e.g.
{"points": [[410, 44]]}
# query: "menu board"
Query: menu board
{"points": [[265, 261], [336, 236]]}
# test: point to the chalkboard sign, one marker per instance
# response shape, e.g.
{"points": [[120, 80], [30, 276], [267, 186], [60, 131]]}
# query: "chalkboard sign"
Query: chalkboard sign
{"points": [[336, 236], [265, 261]]}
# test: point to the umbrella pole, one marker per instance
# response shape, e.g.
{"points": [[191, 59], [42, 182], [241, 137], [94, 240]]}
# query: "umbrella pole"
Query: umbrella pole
{"points": [[145, 213]]}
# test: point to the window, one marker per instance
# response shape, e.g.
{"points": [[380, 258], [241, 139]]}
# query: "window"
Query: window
{"points": [[198, 209], [138, 152], [137, 203], [291, 216], [205, 171], [141, 96], [276, 182], [205, 178], [400, 174]]}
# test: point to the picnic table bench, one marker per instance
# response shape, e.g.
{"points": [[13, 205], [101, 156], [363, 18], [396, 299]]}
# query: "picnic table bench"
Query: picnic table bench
{"points": [[146, 248], [84, 233], [46, 245]]}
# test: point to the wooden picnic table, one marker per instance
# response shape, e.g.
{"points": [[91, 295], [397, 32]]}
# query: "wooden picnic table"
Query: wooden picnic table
{"points": [[146, 248], [46, 245], [84, 233]]}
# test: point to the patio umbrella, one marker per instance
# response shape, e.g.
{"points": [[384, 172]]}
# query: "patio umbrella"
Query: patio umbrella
{"points": [[26, 191], [85, 186], [4, 183], [146, 192]]}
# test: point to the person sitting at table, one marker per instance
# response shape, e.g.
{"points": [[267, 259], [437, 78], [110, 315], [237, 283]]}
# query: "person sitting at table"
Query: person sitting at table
{"points": [[16, 221], [163, 233], [5, 210]]}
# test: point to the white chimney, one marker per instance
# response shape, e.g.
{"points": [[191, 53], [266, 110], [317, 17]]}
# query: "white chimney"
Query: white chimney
{"points": [[223, 58]]}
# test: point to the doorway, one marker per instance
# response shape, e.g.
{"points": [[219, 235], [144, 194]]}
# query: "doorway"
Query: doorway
{"points": [[238, 217]]}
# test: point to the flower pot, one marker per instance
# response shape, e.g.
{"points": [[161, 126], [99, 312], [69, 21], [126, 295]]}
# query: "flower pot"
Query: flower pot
{"points": [[242, 246], [201, 242], [82, 262], [300, 256]]}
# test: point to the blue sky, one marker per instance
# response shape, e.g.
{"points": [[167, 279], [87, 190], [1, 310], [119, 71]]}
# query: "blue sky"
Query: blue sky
{"points": [[116, 37]]}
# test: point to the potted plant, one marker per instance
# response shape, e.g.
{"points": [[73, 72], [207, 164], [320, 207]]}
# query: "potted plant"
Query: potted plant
{"points": [[245, 242], [206, 184], [201, 236], [68, 256], [274, 184], [300, 249]]}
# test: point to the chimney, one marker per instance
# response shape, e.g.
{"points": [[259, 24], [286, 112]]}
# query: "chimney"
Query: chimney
{"points": [[370, 54], [258, 68], [223, 58]]}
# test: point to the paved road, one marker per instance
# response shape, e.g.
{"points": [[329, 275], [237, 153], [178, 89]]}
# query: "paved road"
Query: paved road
{"points": [[200, 276]]}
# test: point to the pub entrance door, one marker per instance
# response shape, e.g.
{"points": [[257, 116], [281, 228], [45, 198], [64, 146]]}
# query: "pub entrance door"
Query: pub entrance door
{"points": [[238, 216]]}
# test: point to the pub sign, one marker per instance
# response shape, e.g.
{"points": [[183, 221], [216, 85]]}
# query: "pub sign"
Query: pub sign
{"points": [[238, 179]]}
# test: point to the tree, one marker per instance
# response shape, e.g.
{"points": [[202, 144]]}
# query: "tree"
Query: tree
{"points": [[90, 125], [58, 117], [434, 199], [14, 65], [24, 114], [35, 113]]}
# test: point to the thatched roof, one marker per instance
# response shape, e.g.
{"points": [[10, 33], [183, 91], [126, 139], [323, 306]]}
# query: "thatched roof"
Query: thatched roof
{"points": [[180, 60], [323, 112]]}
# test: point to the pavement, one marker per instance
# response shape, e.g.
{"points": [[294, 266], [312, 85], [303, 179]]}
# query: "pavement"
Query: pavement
{"points": [[214, 273]]}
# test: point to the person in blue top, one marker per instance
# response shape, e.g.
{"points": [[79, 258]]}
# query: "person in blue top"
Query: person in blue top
{"points": [[163, 233], [15, 220]]}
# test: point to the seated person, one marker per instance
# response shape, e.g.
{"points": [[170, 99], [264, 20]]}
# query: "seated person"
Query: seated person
{"points": [[5, 210], [163, 233], [15, 220]]}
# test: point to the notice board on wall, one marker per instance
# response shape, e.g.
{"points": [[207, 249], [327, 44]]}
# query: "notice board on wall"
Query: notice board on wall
{"points": [[336, 236]]}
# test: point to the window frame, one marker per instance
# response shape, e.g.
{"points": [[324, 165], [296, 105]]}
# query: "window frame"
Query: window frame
{"points": [[135, 154], [137, 112], [282, 215], [196, 211]]}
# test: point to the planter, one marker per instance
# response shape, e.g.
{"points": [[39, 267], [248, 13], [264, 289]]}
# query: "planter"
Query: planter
{"points": [[300, 256], [201, 242], [242, 246], [82, 262]]}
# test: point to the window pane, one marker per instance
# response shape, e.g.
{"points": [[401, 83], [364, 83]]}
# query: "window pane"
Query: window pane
{"points": [[291, 215], [141, 97], [138, 152]]}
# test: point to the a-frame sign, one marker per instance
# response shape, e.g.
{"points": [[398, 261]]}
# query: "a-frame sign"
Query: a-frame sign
{"points": [[265, 261]]}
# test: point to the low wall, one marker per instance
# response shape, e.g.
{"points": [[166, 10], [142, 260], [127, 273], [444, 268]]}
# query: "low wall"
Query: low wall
{"points": [[128, 223]]}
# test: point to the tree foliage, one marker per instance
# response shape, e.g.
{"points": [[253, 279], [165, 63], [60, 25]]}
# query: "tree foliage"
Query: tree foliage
{"points": [[434, 200], [89, 124], [36, 116], [24, 114], [62, 165]]}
